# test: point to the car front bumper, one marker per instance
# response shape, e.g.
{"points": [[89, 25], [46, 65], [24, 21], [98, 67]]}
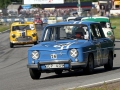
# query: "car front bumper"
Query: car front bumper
{"points": [[22, 42], [70, 64]]}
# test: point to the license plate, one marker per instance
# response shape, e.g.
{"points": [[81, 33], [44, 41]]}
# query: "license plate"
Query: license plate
{"points": [[54, 66]]}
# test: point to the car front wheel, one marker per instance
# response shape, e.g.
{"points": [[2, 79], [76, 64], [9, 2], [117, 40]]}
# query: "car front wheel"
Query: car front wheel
{"points": [[35, 74], [11, 45], [90, 65], [35, 43]]}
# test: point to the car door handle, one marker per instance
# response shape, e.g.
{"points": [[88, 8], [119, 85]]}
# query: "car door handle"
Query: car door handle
{"points": [[105, 40], [97, 45]]}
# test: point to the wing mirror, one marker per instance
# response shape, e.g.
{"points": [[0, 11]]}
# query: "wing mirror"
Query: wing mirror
{"points": [[113, 27]]}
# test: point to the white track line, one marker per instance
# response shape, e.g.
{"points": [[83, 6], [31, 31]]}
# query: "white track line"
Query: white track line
{"points": [[5, 31], [95, 84]]}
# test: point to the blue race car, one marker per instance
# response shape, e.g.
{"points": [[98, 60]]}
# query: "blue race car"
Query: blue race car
{"points": [[70, 46]]}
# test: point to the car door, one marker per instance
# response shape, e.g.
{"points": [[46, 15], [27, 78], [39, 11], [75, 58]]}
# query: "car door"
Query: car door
{"points": [[97, 43], [104, 45]]}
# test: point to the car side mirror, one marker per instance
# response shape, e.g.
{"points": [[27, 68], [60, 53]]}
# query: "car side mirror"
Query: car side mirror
{"points": [[113, 27]]}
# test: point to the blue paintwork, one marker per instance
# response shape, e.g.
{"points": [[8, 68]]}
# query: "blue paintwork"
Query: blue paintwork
{"points": [[84, 47]]}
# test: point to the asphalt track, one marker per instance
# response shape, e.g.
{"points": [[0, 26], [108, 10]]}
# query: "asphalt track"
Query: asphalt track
{"points": [[14, 74]]}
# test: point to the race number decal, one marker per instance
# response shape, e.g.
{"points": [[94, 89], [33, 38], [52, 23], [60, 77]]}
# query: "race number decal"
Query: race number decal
{"points": [[53, 56], [63, 46]]}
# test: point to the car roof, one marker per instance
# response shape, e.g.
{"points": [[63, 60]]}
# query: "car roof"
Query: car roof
{"points": [[21, 23], [72, 23], [96, 19]]}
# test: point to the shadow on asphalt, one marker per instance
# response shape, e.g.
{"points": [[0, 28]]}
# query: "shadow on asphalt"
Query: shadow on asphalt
{"points": [[116, 48], [117, 41], [22, 46], [79, 73]]}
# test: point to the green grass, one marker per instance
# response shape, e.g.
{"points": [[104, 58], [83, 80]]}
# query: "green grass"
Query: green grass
{"points": [[4, 27], [104, 86], [116, 22]]}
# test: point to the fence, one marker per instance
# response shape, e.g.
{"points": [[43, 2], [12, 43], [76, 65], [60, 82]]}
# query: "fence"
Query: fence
{"points": [[7, 20]]}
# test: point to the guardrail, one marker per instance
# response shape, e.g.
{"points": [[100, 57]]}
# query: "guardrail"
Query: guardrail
{"points": [[9, 20], [45, 20]]}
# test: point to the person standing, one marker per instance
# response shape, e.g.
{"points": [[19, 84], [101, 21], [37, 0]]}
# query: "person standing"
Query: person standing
{"points": [[102, 11]]}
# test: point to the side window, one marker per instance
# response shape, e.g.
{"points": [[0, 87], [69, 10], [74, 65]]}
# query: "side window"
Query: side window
{"points": [[95, 31], [13, 28], [49, 34], [92, 30]]}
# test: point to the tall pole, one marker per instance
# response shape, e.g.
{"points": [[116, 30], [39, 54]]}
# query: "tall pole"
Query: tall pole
{"points": [[79, 8]]}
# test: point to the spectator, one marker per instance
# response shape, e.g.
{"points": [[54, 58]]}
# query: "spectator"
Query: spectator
{"points": [[102, 11]]}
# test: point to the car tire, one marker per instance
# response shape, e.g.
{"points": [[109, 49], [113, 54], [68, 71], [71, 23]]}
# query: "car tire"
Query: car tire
{"points": [[35, 74], [89, 69], [35, 43], [109, 65], [11, 45], [58, 72], [41, 24]]}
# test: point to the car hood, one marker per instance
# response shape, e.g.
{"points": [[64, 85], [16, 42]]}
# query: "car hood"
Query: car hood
{"points": [[59, 45]]}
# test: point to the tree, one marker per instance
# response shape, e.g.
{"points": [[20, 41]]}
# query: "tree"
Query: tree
{"points": [[4, 3]]}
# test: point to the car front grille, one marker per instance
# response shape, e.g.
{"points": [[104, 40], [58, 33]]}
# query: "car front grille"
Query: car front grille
{"points": [[26, 38]]}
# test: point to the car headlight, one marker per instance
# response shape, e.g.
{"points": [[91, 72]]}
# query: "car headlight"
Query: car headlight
{"points": [[13, 35], [35, 55], [33, 34], [73, 53], [109, 33]]}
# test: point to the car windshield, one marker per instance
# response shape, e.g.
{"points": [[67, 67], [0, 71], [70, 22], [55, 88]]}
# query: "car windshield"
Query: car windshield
{"points": [[64, 32], [23, 27]]}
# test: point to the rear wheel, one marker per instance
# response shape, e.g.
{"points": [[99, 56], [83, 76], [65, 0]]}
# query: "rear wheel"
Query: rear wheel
{"points": [[11, 45], [90, 66], [58, 72], [109, 65], [35, 74]]}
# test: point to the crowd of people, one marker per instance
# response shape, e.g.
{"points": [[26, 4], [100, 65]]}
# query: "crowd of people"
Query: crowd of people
{"points": [[49, 12]]}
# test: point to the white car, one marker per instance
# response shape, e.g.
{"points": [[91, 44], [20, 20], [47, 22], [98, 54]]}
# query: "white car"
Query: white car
{"points": [[105, 23], [70, 19]]}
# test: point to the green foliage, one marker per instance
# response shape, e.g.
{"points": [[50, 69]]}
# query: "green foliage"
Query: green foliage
{"points": [[4, 3], [4, 27], [114, 22]]}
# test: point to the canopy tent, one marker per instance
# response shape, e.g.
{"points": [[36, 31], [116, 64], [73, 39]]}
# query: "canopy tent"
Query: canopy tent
{"points": [[26, 6]]}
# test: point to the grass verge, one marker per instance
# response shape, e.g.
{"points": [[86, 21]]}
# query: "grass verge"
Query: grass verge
{"points": [[115, 22], [105, 86], [4, 27]]}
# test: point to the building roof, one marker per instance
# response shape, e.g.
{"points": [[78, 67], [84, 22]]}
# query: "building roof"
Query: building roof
{"points": [[14, 7]]}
